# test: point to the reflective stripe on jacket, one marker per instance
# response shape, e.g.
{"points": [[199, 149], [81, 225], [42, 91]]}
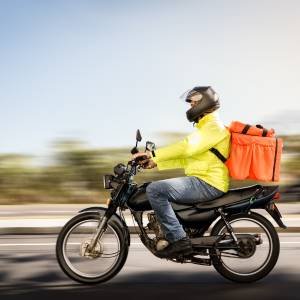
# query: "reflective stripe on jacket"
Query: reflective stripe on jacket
{"points": [[193, 155]]}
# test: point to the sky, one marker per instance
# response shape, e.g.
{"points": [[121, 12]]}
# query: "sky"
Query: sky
{"points": [[98, 70]]}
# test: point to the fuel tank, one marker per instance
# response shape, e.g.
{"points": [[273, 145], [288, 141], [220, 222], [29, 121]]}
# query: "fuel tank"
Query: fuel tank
{"points": [[138, 201]]}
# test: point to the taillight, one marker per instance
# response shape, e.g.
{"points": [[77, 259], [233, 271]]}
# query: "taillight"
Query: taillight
{"points": [[276, 196]]}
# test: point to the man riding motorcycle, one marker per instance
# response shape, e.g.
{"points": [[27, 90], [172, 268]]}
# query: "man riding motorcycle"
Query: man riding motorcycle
{"points": [[206, 175], [242, 245]]}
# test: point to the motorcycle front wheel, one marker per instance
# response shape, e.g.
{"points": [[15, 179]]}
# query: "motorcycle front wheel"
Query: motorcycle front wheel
{"points": [[256, 256], [83, 265]]}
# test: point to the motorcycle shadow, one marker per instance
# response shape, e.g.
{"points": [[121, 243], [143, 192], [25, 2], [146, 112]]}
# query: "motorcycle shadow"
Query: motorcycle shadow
{"points": [[149, 285]]}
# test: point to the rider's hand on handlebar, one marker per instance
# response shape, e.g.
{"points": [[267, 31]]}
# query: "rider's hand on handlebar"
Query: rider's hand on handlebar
{"points": [[148, 164], [139, 154], [144, 159]]}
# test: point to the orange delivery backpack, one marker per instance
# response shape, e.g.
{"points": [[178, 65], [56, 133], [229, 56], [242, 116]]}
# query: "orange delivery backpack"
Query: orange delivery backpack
{"points": [[255, 153]]}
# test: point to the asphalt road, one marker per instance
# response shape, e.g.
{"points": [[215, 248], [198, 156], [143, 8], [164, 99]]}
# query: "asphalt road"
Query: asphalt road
{"points": [[28, 270]]}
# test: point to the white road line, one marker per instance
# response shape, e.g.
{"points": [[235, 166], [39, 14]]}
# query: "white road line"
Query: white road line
{"points": [[289, 242], [39, 211], [28, 244], [53, 244]]}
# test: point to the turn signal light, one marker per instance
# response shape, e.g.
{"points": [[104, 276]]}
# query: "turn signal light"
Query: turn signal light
{"points": [[276, 196]]}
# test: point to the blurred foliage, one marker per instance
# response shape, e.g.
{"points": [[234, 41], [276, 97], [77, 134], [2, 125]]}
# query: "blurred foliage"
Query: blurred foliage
{"points": [[75, 172]]}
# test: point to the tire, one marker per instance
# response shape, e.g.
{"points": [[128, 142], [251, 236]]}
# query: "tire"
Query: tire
{"points": [[269, 263], [80, 237]]}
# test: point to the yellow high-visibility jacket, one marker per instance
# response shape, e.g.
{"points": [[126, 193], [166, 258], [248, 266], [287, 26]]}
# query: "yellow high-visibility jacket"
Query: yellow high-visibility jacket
{"points": [[193, 155]]}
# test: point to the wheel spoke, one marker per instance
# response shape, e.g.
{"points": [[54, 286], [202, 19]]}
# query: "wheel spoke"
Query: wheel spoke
{"points": [[85, 263], [257, 251], [248, 260]]}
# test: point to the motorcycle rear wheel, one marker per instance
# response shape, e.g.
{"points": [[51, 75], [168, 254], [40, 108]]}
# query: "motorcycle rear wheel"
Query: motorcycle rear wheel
{"points": [[238, 268], [105, 262]]}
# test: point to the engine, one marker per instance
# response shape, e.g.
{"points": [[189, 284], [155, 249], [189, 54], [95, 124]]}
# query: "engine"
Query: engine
{"points": [[160, 240]]}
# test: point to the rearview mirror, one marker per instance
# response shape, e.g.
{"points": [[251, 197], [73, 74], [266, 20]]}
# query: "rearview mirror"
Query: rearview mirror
{"points": [[138, 136], [150, 146]]}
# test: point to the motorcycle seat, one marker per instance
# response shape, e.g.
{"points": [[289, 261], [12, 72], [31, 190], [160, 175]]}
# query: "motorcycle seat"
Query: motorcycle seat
{"points": [[232, 196]]}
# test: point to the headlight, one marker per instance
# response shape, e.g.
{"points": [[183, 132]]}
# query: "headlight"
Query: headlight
{"points": [[119, 169]]}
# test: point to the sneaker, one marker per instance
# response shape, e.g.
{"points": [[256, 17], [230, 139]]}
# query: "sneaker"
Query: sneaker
{"points": [[183, 246]]}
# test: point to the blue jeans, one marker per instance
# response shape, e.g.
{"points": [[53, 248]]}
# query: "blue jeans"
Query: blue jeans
{"points": [[187, 190]]}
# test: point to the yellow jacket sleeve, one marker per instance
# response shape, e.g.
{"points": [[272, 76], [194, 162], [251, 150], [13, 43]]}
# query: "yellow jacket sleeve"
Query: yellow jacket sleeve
{"points": [[192, 155], [196, 143], [169, 164]]}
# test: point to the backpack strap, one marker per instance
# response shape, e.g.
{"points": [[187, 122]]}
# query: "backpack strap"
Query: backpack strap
{"points": [[246, 128], [265, 131], [218, 154], [275, 157]]}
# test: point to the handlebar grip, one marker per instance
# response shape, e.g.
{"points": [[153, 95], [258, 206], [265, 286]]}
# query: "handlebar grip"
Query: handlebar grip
{"points": [[134, 150], [140, 158]]}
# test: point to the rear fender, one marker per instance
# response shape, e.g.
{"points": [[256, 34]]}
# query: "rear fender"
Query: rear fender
{"points": [[117, 218], [274, 212], [266, 201], [259, 200]]}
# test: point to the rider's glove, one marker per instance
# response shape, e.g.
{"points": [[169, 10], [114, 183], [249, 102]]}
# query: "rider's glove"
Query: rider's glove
{"points": [[145, 159]]}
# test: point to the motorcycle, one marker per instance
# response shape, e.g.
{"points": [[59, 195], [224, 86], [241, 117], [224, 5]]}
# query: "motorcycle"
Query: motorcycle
{"points": [[242, 245]]}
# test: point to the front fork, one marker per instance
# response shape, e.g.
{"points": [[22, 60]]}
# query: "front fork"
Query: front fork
{"points": [[112, 208]]}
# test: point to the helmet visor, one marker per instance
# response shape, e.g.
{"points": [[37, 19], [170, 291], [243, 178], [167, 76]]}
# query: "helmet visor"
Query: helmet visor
{"points": [[191, 95]]}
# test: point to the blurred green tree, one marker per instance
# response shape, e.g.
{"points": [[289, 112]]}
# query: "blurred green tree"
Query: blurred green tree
{"points": [[74, 172]]}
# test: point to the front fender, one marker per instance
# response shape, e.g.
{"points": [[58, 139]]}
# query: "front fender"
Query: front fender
{"points": [[118, 219]]}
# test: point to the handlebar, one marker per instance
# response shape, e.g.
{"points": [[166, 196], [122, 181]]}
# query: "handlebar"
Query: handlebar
{"points": [[150, 146], [137, 160]]}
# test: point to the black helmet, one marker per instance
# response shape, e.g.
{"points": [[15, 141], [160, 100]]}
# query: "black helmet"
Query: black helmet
{"points": [[208, 101]]}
